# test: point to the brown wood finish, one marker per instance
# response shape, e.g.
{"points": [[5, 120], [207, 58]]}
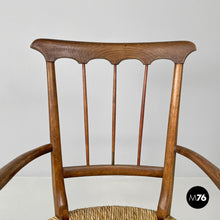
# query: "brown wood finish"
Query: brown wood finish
{"points": [[114, 113], [83, 52], [115, 53], [86, 123], [10, 169], [209, 168], [142, 116], [164, 204], [60, 201], [95, 170]]}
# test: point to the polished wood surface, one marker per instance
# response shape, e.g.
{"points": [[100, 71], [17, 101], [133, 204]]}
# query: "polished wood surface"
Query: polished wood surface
{"points": [[115, 53], [83, 52], [10, 169], [209, 168], [165, 200], [114, 112], [85, 107], [96, 170], [141, 125], [60, 201]]}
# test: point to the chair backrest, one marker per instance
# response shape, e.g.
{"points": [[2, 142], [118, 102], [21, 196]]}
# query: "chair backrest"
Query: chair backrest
{"points": [[83, 52]]}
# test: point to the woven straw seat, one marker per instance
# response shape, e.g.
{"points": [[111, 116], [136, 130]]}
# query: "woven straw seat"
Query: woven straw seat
{"points": [[113, 213]]}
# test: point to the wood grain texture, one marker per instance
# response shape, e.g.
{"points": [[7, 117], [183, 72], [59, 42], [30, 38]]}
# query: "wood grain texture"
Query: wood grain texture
{"points": [[165, 200], [60, 201], [96, 170], [85, 107], [209, 168], [114, 112], [141, 125], [83, 52], [10, 169]]}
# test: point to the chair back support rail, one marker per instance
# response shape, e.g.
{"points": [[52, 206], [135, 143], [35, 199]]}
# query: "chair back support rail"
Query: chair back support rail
{"points": [[83, 52]]}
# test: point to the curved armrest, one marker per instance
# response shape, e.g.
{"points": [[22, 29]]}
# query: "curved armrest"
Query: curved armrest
{"points": [[10, 169], [210, 169]]}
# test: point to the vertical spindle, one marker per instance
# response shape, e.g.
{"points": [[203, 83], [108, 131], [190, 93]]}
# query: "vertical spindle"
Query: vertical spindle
{"points": [[85, 105], [142, 115], [114, 113]]}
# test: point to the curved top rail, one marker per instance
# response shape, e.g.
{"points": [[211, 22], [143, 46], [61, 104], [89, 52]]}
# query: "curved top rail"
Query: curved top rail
{"points": [[83, 52]]}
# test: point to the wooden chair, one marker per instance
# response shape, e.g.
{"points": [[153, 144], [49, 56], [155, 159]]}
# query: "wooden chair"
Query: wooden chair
{"points": [[83, 52]]}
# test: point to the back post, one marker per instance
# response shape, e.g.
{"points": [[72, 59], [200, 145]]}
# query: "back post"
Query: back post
{"points": [[60, 201], [165, 201]]}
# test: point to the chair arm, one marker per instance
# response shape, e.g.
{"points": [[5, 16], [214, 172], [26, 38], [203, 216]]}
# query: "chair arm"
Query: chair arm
{"points": [[210, 169], [10, 169]]}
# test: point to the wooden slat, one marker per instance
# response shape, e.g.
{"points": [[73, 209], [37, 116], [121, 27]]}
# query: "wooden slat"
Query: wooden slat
{"points": [[60, 200], [83, 52], [164, 204], [114, 113], [86, 123], [96, 170], [142, 116]]}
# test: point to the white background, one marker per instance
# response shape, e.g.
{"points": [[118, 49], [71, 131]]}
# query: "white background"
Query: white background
{"points": [[23, 92]]}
